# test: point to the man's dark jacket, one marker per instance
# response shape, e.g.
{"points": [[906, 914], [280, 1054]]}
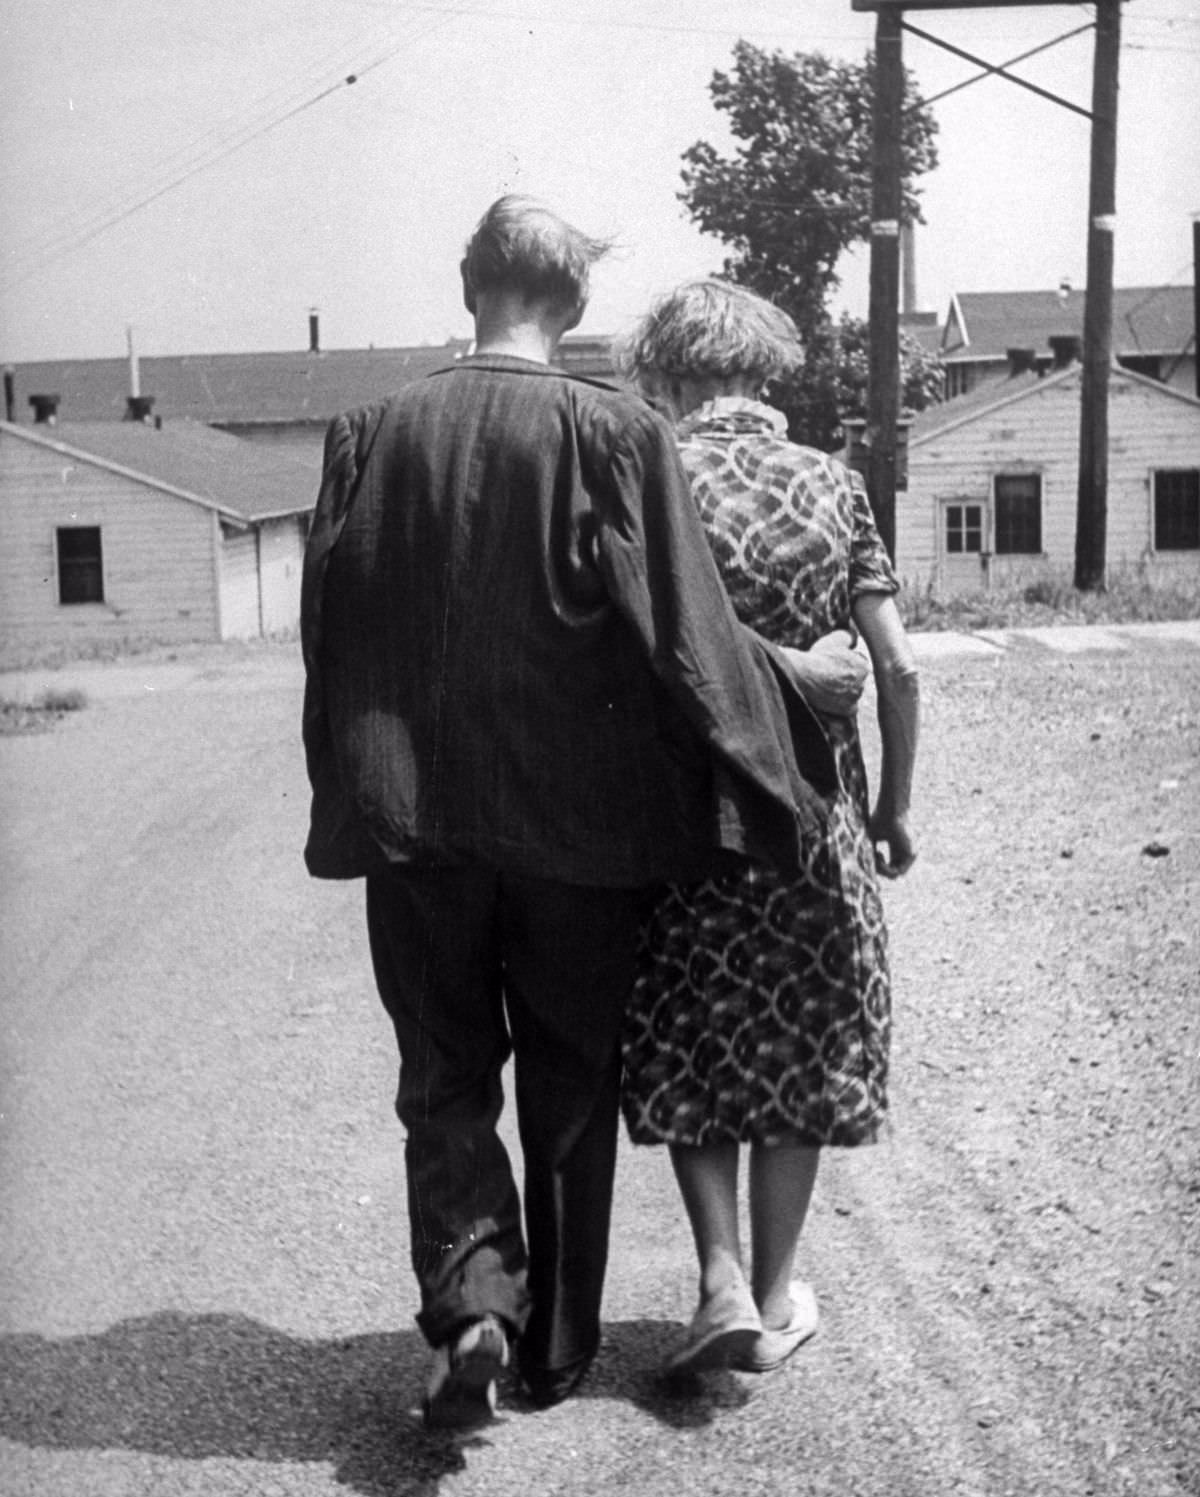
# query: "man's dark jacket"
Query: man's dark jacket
{"points": [[519, 651]]}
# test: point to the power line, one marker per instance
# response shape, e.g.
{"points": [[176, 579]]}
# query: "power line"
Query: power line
{"points": [[526, 18], [65, 241], [197, 155], [177, 165]]}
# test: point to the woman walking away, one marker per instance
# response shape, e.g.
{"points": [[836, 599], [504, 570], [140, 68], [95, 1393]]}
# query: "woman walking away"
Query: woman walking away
{"points": [[761, 1012]]}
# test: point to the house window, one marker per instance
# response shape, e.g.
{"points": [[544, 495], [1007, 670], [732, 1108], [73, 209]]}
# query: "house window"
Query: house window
{"points": [[80, 568], [1177, 509], [1018, 514], [964, 528]]}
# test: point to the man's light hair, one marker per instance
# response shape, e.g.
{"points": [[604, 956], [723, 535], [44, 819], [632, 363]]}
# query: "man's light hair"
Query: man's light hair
{"points": [[710, 329], [520, 245]]}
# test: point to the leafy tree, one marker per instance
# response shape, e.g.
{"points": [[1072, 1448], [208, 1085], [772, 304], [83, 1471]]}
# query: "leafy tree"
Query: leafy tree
{"points": [[794, 196], [832, 383]]}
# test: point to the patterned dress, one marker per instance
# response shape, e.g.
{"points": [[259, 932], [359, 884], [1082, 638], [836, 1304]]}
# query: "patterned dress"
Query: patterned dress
{"points": [[762, 1006]]}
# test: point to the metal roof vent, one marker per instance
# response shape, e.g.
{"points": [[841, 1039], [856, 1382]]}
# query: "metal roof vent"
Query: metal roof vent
{"points": [[139, 408], [45, 409], [1066, 348]]}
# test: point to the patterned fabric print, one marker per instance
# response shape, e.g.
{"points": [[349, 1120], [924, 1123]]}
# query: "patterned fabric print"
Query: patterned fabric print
{"points": [[762, 1007]]}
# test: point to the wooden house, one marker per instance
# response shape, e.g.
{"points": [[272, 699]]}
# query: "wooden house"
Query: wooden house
{"points": [[993, 482], [123, 531]]}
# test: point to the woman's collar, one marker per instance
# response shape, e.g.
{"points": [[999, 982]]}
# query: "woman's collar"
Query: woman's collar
{"points": [[734, 410]]}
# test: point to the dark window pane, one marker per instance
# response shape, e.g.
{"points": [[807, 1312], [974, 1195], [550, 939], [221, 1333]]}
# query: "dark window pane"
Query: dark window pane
{"points": [[80, 568], [1018, 514], [1177, 510]]}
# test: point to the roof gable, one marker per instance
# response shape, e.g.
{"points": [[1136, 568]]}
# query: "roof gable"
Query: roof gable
{"points": [[988, 396], [242, 481], [993, 395]]}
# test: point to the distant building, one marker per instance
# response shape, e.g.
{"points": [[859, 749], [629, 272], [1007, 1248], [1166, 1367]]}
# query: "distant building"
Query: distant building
{"points": [[116, 530], [180, 513], [993, 480], [284, 399], [1153, 333]]}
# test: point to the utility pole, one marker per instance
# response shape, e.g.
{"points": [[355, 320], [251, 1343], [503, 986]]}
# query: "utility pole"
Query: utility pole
{"points": [[1091, 516], [883, 379]]}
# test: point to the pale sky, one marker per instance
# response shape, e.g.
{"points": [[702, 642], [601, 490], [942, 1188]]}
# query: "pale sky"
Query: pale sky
{"points": [[203, 175]]}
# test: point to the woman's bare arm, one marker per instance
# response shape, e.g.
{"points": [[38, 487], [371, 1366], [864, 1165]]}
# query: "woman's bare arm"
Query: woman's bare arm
{"points": [[898, 697]]}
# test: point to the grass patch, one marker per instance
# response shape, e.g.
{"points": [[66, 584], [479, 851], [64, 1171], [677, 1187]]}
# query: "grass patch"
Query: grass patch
{"points": [[40, 713], [23, 655], [1130, 598], [61, 699], [51, 655]]}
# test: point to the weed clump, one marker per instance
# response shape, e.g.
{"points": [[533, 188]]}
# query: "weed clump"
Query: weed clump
{"points": [[18, 715], [1130, 597]]}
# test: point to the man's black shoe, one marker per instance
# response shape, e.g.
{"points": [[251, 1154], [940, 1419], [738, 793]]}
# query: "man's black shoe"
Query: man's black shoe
{"points": [[462, 1383]]}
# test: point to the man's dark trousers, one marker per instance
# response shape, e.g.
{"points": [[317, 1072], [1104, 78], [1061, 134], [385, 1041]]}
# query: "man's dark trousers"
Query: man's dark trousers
{"points": [[473, 965]]}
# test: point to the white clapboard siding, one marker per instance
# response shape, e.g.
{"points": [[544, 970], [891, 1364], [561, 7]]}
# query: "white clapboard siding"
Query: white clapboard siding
{"points": [[159, 567], [280, 558], [240, 603], [916, 537], [1038, 432]]}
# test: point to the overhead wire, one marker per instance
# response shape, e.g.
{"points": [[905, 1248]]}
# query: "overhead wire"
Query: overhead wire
{"points": [[562, 18], [198, 156], [25, 261], [269, 112], [214, 137]]}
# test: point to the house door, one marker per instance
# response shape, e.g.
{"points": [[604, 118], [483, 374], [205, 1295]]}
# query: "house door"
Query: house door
{"points": [[962, 531]]}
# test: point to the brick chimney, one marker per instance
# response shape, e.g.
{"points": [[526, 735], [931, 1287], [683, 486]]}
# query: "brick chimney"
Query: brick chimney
{"points": [[314, 331], [45, 409], [1020, 361]]}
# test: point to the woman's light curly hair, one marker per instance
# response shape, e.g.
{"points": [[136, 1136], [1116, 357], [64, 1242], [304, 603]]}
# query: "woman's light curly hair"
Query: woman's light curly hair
{"points": [[710, 329]]}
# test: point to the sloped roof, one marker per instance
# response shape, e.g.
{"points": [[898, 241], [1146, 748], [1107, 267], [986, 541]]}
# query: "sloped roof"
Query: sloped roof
{"points": [[243, 481], [994, 394], [984, 396], [246, 388], [293, 386], [1146, 320]]}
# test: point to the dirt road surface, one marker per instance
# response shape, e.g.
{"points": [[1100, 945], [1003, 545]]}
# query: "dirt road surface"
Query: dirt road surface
{"points": [[203, 1261]]}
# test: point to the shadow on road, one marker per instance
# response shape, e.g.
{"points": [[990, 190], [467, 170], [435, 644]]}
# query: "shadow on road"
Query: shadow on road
{"points": [[196, 1387], [206, 1386]]}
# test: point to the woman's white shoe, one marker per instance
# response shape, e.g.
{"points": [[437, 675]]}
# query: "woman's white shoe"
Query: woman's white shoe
{"points": [[724, 1328], [771, 1349]]}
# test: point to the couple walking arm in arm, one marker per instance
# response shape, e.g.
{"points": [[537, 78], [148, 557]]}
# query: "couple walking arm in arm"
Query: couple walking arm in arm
{"points": [[528, 699]]}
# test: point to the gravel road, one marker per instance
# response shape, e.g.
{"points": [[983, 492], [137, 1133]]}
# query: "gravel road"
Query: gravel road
{"points": [[203, 1284]]}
